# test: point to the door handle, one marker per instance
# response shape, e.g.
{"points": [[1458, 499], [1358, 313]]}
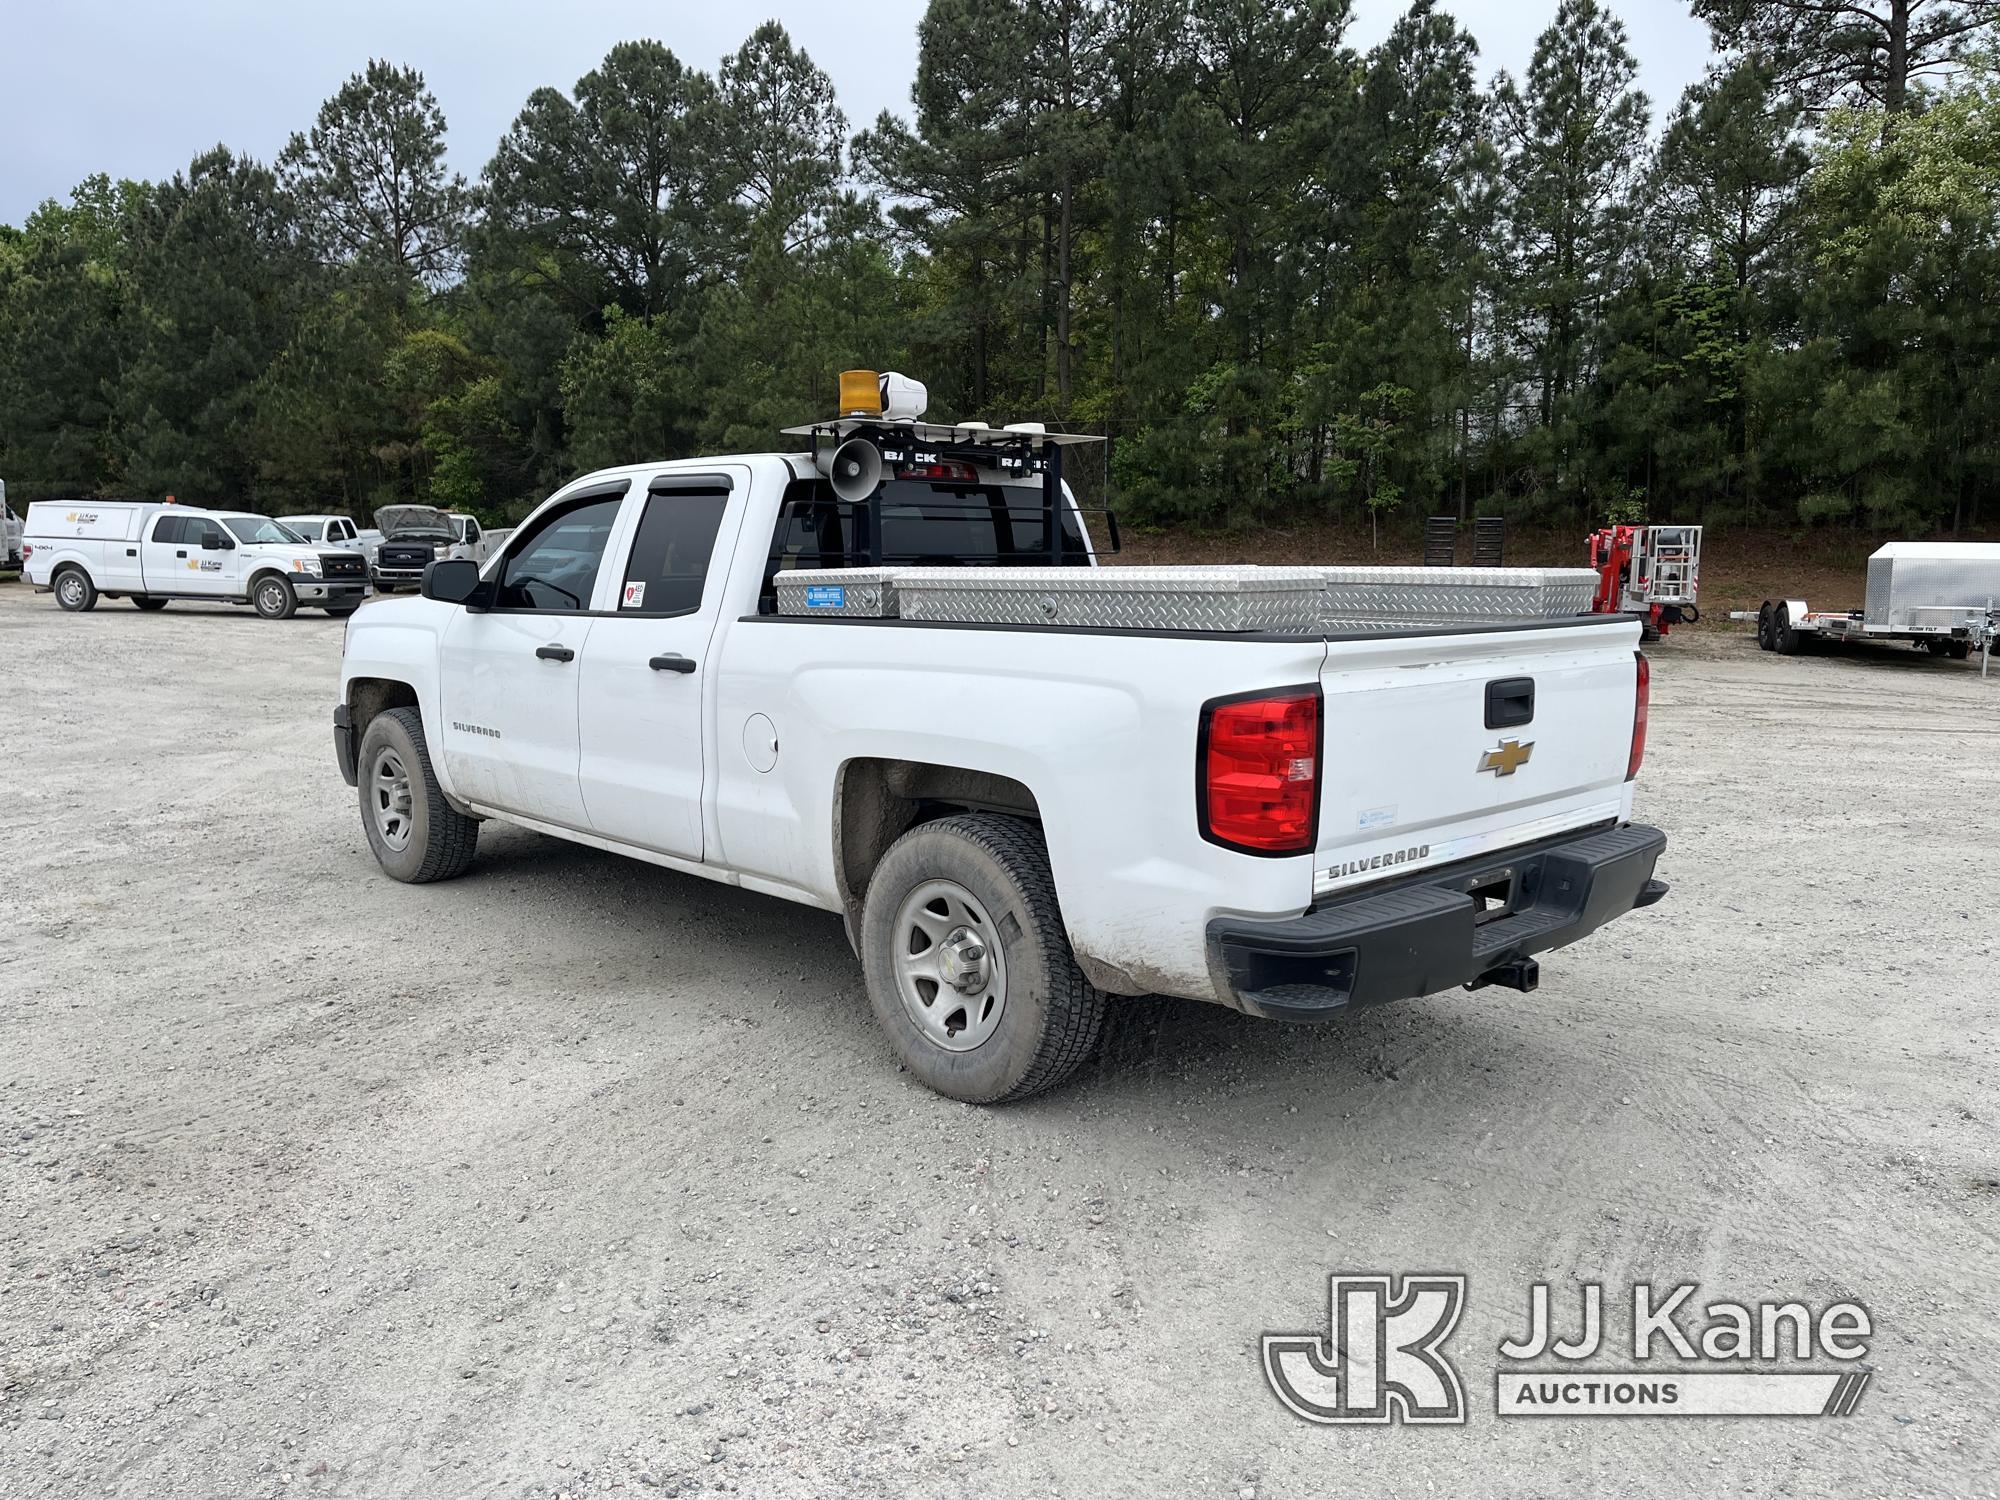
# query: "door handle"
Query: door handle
{"points": [[555, 653], [671, 662], [180, 554]]}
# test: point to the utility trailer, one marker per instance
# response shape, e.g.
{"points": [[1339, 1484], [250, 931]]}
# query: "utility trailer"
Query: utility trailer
{"points": [[1941, 597]]}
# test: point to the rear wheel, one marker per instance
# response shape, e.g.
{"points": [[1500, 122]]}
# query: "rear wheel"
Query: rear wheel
{"points": [[969, 969], [1784, 639], [1764, 628], [416, 835], [141, 601], [75, 591], [273, 597]]}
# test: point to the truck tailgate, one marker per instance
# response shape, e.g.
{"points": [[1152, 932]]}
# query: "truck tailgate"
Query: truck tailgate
{"points": [[1439, 748]]}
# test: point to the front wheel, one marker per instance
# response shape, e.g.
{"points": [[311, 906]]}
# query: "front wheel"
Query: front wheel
{"points": [[968, 966], [273, 597], [74, 590], [416, 835]]}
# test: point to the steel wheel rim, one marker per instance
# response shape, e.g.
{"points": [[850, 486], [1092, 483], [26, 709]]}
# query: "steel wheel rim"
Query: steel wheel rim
{"points": [[72, 589], [951, 970], [271, 598], [390, 800]]}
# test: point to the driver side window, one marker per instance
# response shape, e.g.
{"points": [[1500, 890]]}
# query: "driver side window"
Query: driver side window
{"points": [[555, 566]]}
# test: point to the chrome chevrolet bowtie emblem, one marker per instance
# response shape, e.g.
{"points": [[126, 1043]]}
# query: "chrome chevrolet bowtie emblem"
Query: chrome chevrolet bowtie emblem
{"points": [[1507, 758]]}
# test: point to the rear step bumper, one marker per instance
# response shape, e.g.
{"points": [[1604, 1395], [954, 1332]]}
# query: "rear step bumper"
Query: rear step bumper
{"points": [[1438, 930]]}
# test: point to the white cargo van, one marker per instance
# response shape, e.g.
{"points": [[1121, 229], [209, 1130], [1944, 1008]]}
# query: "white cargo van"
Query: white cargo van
{"points": [[151, 553]]}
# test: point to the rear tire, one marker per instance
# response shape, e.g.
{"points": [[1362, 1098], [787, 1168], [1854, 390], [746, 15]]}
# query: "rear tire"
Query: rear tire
{"points": [[273, 597], [74, 590], [1784, 639], [142, 602], [1764, 640], [416, 835], [957, 887]]}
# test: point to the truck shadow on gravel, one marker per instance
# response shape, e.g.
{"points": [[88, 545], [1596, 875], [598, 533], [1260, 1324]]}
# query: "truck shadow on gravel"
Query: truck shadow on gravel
{"points": [[632, 911]]}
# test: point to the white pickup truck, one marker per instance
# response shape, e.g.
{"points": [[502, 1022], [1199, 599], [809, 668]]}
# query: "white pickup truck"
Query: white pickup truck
{"points": [[335, 531], [415, 536], [152, 553], [1015, 822]]}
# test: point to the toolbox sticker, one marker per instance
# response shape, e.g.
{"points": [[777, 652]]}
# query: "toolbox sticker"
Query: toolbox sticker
{"points": [[635, 596], [826, 596], [1376, 817]]}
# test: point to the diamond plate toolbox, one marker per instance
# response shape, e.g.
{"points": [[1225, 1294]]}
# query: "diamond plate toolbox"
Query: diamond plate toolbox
{"points": [[1230, 598], [867, 593], [1391, 598]]}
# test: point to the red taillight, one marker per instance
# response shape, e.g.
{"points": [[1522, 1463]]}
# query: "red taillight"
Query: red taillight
{"points": [[1640, 705], [1259, 764]]}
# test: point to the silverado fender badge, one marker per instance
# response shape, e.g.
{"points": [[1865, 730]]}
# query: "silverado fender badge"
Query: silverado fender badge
{"points": [[1507, 757]]}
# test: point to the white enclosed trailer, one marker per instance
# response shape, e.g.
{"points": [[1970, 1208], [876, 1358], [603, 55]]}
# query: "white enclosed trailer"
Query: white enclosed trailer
{"points": [[1942, 597]]}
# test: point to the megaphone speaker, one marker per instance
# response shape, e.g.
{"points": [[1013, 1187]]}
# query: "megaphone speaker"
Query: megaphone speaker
{"points": [[856, 470]]}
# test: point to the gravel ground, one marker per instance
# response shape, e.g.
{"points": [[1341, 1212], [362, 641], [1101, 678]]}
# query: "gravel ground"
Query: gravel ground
{"points": [[575, 1175]]}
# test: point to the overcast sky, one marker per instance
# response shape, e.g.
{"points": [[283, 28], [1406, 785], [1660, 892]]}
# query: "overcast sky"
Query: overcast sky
{"points": [[137, 89]]}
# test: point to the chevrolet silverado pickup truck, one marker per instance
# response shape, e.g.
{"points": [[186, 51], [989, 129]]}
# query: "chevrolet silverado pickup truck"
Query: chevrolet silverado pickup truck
{"points": [[1017, 823], [82, 550]]}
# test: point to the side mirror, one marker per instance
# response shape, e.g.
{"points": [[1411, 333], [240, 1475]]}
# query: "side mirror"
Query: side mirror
{"points": [[451, 580], [210, 542]]}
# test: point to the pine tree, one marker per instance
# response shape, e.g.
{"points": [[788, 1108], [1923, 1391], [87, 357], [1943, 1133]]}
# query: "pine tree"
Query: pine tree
{"points": [[1574, 135], [369, 179]]}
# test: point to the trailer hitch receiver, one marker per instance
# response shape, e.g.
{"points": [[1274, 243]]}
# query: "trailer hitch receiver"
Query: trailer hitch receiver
{"points": [[1521, 974]]}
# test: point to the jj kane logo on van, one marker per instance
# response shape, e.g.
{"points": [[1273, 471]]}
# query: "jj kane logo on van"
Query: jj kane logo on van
{"points": [[1382, 1357]]}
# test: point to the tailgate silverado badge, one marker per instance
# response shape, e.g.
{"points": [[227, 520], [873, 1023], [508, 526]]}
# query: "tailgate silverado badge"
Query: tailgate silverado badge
{"points": [[1507, 757]]}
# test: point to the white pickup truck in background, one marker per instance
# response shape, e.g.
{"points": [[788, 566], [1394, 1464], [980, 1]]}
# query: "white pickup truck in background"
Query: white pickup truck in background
{"points": [[336, 531], [1015, 822], [152, 553]]}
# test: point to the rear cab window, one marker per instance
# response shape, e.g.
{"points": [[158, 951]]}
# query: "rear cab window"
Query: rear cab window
{"points": [[925, 523]]}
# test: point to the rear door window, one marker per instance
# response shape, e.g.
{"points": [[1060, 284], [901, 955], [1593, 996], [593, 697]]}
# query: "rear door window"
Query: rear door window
{"points": [[168, 529], [668, 566]]}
